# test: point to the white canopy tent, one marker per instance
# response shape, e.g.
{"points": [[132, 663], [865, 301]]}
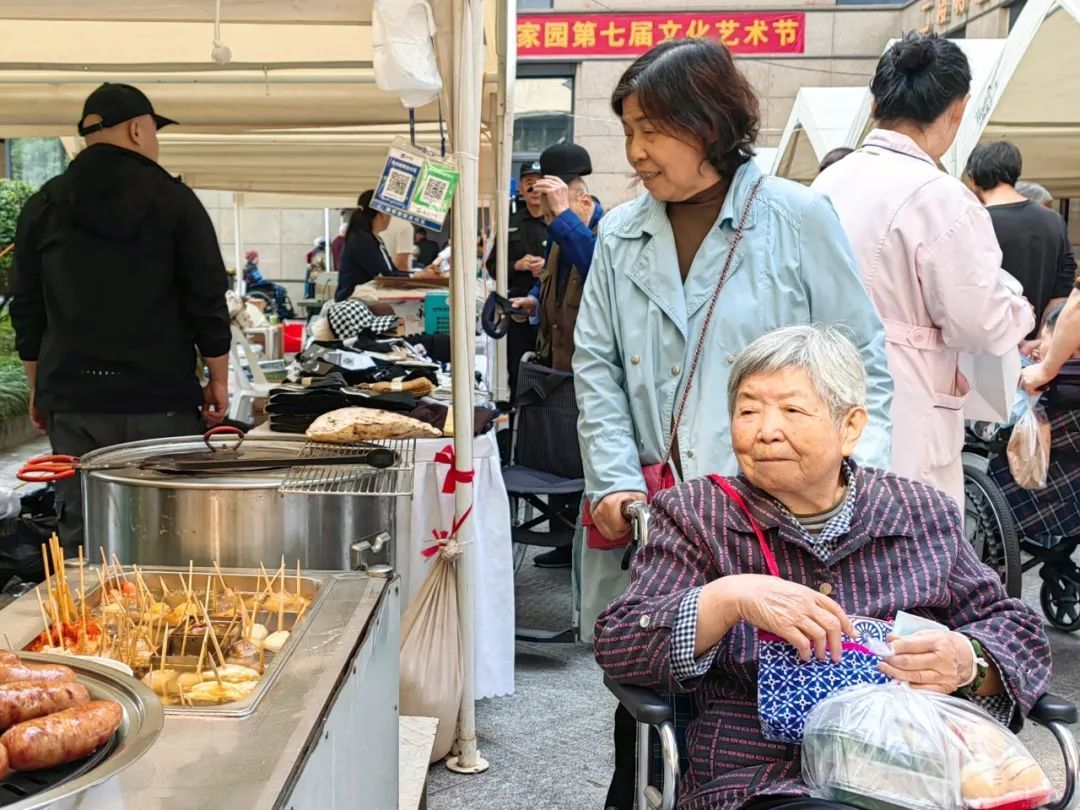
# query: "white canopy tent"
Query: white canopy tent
{"points": [[982, 55], [1032, 98], [820, 121], [260, 123]]}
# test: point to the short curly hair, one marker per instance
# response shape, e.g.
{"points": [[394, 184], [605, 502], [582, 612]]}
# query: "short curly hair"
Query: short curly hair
{"points": [[692, 87]]}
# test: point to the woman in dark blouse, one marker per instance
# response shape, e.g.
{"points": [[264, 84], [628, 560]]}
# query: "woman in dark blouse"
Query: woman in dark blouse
{"points": [[365, 256]]}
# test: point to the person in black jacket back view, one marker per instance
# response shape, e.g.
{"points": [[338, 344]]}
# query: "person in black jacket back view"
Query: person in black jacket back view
{"points": [[118, 286]]}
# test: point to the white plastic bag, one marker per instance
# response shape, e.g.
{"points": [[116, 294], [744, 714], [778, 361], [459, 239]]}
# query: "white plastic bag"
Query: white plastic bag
{"points": [[10, 505], [880, 747], [1029, 446], [431, 668], [404, 56]]}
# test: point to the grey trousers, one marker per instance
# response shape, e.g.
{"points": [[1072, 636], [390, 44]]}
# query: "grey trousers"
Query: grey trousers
{"points": [[76, 434]]}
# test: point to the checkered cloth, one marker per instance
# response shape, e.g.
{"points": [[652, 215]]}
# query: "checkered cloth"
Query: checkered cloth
{"points": [[350, 318], [683, 664], [1052, 513]]}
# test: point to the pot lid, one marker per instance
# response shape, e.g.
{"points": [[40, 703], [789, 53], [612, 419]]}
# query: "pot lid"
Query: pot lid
{"points": [[122, 462]]}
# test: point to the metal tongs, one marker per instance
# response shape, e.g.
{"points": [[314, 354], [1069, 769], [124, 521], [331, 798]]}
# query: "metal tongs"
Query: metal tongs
{"points": [[637, 513]]}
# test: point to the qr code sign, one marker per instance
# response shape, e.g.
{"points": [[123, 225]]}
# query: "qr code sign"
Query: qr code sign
{"points": [[397, 186], [434, 192]]}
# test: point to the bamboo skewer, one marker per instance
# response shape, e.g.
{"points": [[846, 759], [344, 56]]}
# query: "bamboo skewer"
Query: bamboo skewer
{"points": [[298, 577], [281, 602], [82, 597], [49, 586], [44, 618]]}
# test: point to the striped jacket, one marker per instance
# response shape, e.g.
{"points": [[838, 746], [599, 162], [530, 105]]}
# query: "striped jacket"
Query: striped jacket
{"points": [[905, 551]]}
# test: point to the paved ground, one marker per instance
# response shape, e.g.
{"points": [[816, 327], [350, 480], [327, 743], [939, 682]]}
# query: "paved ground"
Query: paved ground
{"points": [[549, 744]]}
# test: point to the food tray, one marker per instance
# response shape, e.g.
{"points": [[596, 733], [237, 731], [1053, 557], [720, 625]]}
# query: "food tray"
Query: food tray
{"points": [[313, 588], [143, 720]]}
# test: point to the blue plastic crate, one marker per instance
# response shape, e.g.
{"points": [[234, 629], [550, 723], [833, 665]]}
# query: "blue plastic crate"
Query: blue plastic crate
{"points": [[437, 313]]}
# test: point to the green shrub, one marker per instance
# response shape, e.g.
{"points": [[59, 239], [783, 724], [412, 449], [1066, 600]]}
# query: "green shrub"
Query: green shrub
{"points": [[13, 195], [14, 390]]}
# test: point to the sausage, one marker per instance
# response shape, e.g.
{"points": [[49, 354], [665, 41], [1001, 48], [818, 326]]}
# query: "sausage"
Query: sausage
{"points": [[25, 700], [5, 769], [24, 671], [66, 736]]}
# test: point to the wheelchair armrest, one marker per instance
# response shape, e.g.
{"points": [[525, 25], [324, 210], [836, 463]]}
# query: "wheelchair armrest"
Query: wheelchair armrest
{"points": [[1052, 709], [644, 705]]}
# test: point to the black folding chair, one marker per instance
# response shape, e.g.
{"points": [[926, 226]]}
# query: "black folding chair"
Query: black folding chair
{"points": [[545, 472]]}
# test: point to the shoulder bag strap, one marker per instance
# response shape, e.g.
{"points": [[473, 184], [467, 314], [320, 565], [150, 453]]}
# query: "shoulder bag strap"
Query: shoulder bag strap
{"points": [[708, 318], [737, 499]]}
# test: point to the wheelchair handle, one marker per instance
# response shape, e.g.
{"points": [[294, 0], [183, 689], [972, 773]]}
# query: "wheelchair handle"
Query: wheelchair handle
{"points": [[637, 513]]}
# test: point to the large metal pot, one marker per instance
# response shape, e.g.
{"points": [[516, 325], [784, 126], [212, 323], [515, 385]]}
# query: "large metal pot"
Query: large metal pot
{"points": [[238, 520]]}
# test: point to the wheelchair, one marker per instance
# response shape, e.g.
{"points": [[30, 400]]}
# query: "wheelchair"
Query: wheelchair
{"points": [[993, 522], [662, 722]]}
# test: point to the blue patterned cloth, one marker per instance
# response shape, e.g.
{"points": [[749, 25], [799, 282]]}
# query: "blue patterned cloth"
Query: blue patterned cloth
{"points": [[788, 689]]}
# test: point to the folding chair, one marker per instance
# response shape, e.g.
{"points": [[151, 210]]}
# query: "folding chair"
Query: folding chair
{"points": [[545, 472], [246, 391]]}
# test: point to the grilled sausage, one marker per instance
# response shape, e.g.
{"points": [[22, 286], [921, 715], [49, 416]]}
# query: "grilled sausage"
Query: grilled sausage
{"points": [[5, 769], [63, 737], [25, 671], [25, 700]]}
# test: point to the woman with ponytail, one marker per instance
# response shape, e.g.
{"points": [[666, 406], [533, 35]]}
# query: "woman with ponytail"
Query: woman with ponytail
{"points": [[364, 256]]}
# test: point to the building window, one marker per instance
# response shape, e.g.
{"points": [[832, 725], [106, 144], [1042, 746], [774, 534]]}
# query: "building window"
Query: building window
{"points": [[35, 160], [543, 109], [533, 5], [1014, 12], [957, 33]]}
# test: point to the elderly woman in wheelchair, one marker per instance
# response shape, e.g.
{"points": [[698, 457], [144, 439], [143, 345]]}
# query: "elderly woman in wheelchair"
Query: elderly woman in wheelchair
{"points": [[803, 546]]}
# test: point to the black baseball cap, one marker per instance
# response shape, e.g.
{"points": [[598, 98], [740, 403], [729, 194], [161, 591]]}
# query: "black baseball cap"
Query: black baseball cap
{"points": [[530, 167], [566, 161], [117, 103]]}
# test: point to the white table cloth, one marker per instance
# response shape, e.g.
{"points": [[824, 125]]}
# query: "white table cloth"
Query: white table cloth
{"points": [[490, 556]]}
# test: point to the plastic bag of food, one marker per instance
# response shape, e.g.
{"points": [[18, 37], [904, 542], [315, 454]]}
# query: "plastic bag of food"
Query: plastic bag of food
{"points": [[996, 771], [431, 667], [1029, 446], [883, 747]]}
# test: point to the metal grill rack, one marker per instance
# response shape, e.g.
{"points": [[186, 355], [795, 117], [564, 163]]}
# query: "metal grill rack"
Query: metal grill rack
{"points": [[358, 479]]}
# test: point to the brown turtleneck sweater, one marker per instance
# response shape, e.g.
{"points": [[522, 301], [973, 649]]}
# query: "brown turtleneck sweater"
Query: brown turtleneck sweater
{"points": [[691, 221]]}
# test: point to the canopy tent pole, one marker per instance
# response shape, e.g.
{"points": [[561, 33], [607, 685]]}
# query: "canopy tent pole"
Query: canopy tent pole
{"points": [[506, 22], [328, 258], [238, 239], [468, 71]]}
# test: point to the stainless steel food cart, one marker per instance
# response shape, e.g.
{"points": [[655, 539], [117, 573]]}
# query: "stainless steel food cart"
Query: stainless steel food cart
{"points": [[324, 733]]}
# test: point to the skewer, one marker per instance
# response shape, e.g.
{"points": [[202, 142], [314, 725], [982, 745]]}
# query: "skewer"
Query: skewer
{"points": [[164, 650], [44, 618], [48, 584], [281, 602], [191, 578], [8, 640], [61, 579], [82, 597], [298, 577], [246, 624], [183, 644], [202, 653], [217, 568], [300, 614]]}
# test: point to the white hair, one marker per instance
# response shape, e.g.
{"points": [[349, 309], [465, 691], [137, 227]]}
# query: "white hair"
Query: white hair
{"points": [[827, 355], [1034, 192]]}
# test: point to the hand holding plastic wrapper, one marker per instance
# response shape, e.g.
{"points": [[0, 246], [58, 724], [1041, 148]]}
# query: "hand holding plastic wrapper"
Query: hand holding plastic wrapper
{"points": [[883, 747], [1029, 446]]}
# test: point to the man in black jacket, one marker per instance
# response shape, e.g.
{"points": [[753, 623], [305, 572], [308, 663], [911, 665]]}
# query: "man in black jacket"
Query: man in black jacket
{"points": [[118, 287]]}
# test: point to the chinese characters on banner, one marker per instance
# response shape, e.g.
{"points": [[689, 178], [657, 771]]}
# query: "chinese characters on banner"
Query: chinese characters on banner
{"points": [[629, 35]]}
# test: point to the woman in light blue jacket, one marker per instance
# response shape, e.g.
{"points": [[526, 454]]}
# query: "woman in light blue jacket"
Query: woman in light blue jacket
{"points": [[690, 119]]}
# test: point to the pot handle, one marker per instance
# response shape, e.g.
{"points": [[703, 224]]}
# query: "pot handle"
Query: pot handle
{"points": [[222, 430]]}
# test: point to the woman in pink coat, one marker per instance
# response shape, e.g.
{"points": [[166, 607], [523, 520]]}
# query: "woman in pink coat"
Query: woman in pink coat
{"points": [[927, 253]]}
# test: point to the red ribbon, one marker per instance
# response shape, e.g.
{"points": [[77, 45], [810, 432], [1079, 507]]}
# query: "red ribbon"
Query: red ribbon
{"points": [[443, 537], [454, 476]]}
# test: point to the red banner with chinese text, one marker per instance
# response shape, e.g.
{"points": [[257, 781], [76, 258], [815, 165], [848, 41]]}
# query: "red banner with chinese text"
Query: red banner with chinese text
{"points": [[577, 36]]}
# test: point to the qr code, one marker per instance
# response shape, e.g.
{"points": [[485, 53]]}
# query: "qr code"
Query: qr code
{"points": [[434, 192], [397, 185]]}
